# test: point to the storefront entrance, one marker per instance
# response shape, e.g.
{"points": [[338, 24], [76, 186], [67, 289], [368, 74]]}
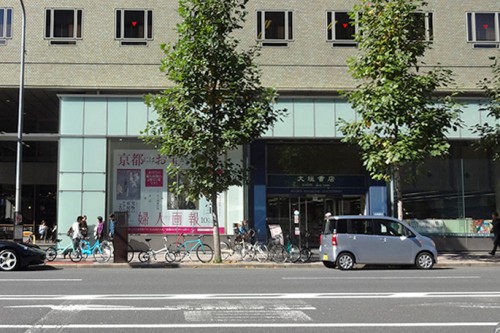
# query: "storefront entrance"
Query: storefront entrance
{"points": [[311, 211]]}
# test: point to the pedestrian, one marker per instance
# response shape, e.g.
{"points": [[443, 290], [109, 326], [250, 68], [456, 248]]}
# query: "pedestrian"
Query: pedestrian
{"points": [[99, 229], [112, 226], [42, 230], [495, 230], [75, 234], [84, 228]]}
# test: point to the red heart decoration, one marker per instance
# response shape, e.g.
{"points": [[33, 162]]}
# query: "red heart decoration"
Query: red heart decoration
{"points": [[345, 25], [485, 26], [134, 23]]}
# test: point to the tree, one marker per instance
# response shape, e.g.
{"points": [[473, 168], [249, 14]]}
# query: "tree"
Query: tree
{"points": [[401, 118], [216, 102], [489, 134]]}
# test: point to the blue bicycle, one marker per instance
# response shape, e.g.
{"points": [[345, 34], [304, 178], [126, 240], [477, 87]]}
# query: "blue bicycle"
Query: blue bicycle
{"points": [[204, 252], [52, 251], [101, 251]]}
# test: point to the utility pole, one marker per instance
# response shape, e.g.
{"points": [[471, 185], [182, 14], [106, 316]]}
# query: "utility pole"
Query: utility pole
{"points": [[18, 229]]}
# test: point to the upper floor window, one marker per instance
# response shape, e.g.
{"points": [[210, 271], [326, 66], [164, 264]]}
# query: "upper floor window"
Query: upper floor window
{"points": [[340, 28], [5, 24], [135, 25], [424, 25], [63, 26], [483, 28], [275, 27]]}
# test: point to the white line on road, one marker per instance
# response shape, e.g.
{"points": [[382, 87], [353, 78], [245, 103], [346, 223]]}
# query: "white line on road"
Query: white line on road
{"points": [[41, 280], [381, 277], [250, 325], [200, 297]]}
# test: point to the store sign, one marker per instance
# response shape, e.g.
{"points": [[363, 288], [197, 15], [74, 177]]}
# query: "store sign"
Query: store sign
{"points": [[322, 183], [141, 188]]}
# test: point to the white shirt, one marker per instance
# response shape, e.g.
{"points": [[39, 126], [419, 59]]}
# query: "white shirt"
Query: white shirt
{"points": [[76, 230]]}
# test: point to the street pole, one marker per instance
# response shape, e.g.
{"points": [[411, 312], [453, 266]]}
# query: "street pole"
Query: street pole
{"points": [[18, 229]]}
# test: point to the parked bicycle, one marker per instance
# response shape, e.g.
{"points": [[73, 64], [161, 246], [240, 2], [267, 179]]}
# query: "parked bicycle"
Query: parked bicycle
{"points": [[305, 251], [292, 251], [204, 252], [52, 251], [237, 249], [101, 251], [150, 254]]}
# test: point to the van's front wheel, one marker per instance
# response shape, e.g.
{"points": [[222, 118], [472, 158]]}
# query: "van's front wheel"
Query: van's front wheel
{"points": [[424, 260], [345, 261]]}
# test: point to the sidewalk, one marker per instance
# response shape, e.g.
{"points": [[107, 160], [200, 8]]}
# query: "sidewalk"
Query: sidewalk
{"points": [[463, 259]]}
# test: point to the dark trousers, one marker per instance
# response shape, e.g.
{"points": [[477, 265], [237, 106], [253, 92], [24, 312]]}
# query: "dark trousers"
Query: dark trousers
{"points": [[496, 243]]}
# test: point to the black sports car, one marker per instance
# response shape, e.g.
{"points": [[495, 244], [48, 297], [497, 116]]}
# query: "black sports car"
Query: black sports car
{"points": [[15, 255]]}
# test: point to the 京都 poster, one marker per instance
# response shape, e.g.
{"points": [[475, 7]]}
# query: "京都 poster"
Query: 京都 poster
{"points": [[141, 188]]}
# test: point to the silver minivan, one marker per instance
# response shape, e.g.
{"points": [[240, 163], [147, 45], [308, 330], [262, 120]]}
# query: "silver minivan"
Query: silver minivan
{"points": [[379, 240]]}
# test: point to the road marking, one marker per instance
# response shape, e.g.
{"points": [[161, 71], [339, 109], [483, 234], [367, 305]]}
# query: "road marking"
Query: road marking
{"points": [[200, 297], [182, 307], [41, 280], [381, 277], [251, 325]]}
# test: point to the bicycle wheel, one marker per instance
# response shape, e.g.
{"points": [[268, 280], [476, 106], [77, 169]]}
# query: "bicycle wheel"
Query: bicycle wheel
{"points": [[238, 252], [293, 254], [169, 256], [130, 253], [180, 253], [204, 253], [247, 252], [102, 254], [278, 253], [75, 255], [261, 252], [144, 256], [51, 253], [225, 251], [305, 254]]}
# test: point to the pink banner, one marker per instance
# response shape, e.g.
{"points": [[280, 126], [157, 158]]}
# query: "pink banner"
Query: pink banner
{"points": [[174, 230]]}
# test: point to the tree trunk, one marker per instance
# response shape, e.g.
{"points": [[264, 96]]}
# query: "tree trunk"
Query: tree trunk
{"points": [[215, 218], [398, 192]]}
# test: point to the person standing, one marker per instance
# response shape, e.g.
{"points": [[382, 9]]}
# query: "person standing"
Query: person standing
{"points": [[77, 234], [84, 227], [112, 226], [99, 229], [495, 230]]}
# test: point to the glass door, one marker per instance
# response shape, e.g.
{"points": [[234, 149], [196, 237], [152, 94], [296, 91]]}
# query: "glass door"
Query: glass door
{"points": [[311, 211]]}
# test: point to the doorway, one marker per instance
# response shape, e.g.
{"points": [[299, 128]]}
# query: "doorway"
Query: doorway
{"points": [[311, 209]]}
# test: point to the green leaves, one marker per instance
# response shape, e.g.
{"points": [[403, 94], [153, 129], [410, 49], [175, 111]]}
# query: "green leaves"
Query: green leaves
{"points": [[490, 133], [401, 117], [216, 102]]}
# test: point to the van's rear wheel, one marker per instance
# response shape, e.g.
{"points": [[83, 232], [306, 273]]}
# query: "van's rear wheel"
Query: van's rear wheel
{"points": [[424, 260], [329, 264], [345, 261]]}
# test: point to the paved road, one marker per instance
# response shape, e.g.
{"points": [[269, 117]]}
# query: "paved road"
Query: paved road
{"points": [[465, 299]]}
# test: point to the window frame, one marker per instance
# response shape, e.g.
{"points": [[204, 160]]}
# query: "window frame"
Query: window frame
{"points": [[77, 28], [471, 32], [7, 18], [120, 14], [288, 24], [428, 25], [332, 14]]}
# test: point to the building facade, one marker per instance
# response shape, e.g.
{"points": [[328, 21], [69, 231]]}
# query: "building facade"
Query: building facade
{"points": [[88, 66]]}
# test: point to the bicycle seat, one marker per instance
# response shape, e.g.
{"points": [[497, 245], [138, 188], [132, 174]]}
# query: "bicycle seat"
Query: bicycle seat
{"points": [[147, 239], [58, 240]]}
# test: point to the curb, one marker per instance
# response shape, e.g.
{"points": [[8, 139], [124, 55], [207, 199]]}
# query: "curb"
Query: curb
{"points": [[242, 265]]}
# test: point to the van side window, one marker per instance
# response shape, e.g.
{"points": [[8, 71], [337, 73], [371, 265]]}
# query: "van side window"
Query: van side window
{"points": [[343, 226], [389, 228], [361, 227]]}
